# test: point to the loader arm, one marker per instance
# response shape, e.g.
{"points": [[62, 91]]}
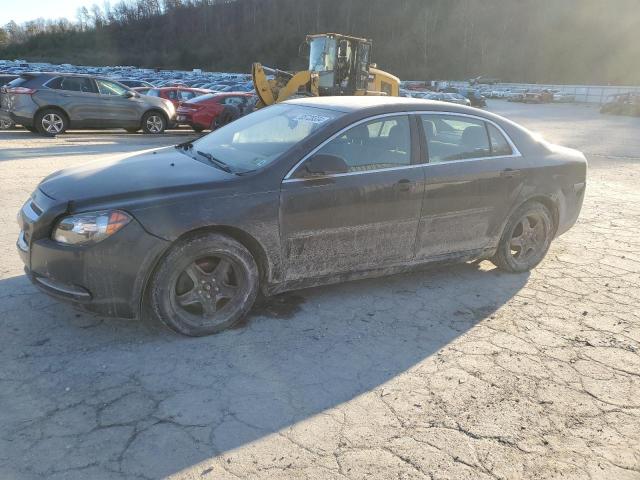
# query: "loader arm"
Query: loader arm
{"points": [[284, 84]]}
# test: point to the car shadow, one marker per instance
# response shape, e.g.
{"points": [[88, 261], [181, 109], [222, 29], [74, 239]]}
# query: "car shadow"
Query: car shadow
{"points": [[179, 402]]}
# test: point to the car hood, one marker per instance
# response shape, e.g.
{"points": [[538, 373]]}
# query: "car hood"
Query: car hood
{"points": [[144, 175]]}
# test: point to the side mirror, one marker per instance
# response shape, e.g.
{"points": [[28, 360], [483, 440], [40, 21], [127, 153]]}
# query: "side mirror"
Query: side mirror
{"points": [[321, 165], [130, 94]]}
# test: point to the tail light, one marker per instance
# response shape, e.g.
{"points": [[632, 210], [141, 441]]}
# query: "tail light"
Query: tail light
{"points": [[20, 90]]}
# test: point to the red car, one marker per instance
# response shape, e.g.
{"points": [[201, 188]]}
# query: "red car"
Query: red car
{"points": [[206, 111], [177, 95]]}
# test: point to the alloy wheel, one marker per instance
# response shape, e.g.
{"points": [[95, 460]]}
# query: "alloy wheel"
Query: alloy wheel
{"points": [[528, 238], [206, 288], [52, 123], [154, 124]]}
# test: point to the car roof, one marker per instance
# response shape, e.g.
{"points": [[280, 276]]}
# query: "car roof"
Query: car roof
{"points": [[349, 104]]}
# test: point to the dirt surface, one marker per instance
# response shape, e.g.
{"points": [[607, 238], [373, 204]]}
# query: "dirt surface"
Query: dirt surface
{"points": [[458, 372]]}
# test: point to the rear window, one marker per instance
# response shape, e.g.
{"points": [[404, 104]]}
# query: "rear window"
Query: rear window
{"points": [[202, 98]]}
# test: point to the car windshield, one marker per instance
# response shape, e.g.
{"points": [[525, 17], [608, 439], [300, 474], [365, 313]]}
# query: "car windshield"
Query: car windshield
{"points": [[256, 140]]}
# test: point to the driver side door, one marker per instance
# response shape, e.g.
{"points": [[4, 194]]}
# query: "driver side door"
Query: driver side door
{"points": [[119, 110], [363, 219]]}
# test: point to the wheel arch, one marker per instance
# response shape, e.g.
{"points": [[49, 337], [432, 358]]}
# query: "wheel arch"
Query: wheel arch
{"points": [[546, 200], [156, 110], [244, 238], [52, 107]]}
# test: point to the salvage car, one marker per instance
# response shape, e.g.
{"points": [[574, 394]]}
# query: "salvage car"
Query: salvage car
{"points": [[306, 192], [207, 111], [51, 103]]}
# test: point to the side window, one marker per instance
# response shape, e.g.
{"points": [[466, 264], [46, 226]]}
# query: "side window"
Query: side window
{"points": [[172, 94], [55, 83], [499, 145], [378, 144], [451, 137], [109, 88], [186, 95], [153, 92], [77, 84]]}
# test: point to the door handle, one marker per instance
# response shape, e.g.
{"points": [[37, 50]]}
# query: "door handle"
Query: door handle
{"points": [[403, 185], [510, 173]]}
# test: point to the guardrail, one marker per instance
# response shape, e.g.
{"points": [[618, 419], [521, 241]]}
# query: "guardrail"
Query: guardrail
{"points": [[583, 93]]}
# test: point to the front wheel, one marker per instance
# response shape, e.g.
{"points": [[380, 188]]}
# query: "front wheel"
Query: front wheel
{"points": [[526, 239], [153, 123], [205, 284]]}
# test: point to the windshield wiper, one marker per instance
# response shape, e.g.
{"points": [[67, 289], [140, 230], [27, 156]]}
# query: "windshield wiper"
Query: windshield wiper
{"points": [[218, 163]]}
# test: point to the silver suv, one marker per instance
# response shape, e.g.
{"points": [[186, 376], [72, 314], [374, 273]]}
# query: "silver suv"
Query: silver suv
{"points": [[50, 103]]}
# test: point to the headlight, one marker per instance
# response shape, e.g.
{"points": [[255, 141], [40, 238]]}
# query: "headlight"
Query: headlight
{"points": [[92, 227]]}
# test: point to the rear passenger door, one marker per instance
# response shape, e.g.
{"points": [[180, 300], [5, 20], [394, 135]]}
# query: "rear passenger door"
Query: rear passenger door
{"points": [[77, 96], [470, 184]]}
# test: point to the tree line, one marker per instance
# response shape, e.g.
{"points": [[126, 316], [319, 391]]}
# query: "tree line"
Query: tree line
{"points": [[543, 41]]}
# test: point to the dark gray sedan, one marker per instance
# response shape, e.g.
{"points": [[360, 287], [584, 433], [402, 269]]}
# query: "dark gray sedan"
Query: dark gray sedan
{"points": [[306, 192]]}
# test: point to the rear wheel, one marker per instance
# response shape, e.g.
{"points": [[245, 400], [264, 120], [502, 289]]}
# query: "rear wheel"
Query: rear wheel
{"points": [[526, 238], [154, 123], [205, 284], [51, 122], [6, 124]]}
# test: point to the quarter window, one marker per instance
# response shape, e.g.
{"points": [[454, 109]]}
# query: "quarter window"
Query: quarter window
{"points": [[378, 144], [452, 137], [499, 145]]}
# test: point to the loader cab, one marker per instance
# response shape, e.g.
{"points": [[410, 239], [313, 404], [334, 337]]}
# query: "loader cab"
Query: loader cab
{"points": [[341, 62]]}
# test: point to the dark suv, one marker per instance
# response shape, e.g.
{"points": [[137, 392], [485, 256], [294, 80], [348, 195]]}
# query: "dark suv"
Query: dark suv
{"points": [[50, 103]]}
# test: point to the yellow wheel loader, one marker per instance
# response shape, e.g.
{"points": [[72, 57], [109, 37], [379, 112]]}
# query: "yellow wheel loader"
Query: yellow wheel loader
{"points": [[338, 65]]}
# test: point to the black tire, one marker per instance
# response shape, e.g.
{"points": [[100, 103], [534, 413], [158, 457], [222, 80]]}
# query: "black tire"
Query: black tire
{"points": [[197, 128], [154, 123], [51, 122], [526, 238], [132, 130], [205, 284]]}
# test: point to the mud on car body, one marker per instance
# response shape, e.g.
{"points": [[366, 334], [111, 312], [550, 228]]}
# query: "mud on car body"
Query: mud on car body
{"points": [[306, 192]]}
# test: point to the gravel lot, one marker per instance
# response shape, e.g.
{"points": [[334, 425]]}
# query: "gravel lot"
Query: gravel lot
{"points": [[457, 372]]}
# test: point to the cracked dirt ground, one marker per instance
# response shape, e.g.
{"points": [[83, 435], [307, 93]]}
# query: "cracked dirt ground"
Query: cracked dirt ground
{"points": [[459, 372]]}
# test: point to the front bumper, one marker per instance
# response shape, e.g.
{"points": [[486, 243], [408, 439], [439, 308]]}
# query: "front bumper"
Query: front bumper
{"points": [[107, 278]]}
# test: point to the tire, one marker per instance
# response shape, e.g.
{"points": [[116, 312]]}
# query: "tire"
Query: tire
{"points": [[204, 285], [132, 130], [51, 122], [526, 238], [154, 123], [197, 128], [6, 124]]}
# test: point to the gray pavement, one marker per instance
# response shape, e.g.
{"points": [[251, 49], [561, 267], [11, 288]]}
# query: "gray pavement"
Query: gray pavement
{"points": [[456, 372]]}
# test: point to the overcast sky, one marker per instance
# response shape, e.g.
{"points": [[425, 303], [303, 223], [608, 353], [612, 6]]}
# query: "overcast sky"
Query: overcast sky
{"points": [[23, 10]]}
